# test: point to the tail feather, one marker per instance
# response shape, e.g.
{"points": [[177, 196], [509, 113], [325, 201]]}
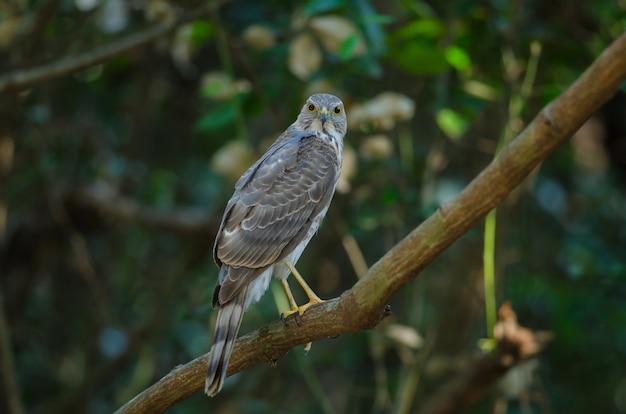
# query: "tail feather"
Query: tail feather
{"points": [[228, 321]]}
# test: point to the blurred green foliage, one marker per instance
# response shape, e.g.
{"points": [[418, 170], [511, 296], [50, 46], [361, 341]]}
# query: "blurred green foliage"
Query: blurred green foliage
{"points": [[105, 295]]}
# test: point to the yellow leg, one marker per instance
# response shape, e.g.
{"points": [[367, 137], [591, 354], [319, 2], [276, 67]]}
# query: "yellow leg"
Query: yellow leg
{"points": [[292, 301], [313, 298], [299, 310]]}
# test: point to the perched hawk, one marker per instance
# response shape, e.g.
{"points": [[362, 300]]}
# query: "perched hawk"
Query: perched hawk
{"points": [[277, 206]]}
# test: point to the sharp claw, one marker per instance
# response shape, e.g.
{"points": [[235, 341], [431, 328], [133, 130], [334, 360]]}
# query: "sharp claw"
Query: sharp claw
{"points": [[307, 348], [298, 312], [297, 318], [285, 315]]}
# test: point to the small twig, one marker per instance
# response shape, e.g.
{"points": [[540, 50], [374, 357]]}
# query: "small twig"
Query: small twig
{"points": [[24, 78], [82, 257], [105, 201], [355, 255]]}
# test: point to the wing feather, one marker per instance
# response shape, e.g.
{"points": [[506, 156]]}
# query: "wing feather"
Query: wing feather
{"points": [[274, 205]]}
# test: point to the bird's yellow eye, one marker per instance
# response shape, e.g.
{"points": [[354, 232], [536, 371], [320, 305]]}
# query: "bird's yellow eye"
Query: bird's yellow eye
{"points": [[311, 107], [337, 110]]}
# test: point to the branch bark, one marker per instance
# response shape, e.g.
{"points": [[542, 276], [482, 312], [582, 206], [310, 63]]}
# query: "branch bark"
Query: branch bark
{"points": [[362, 307], [24, 78]]}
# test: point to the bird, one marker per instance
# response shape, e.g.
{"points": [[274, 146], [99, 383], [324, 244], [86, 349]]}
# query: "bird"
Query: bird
{"points": [[276, 208]]}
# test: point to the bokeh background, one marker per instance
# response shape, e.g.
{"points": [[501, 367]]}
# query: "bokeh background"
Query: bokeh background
{"points": [[113, 180]]}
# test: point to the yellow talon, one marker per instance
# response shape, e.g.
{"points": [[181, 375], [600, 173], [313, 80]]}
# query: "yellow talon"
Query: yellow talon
{"points": [[299, 310], [313, 298], [302, 308]]}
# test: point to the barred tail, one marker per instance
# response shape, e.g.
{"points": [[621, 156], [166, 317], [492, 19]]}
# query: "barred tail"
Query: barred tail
{"points": [[228, 321]]}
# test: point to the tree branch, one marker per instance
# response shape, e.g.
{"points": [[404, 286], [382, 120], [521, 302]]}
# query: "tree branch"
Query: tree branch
{"points": [[24, 78], [105, 201], [362, 307]]}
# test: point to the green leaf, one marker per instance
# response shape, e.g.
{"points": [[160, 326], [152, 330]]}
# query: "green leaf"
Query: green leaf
{"points": [[348, 46], [389, 196], [201, 31], [458, 58], [420, 59], [222, 115], [423, 28], [210, 89], [451, 123]]}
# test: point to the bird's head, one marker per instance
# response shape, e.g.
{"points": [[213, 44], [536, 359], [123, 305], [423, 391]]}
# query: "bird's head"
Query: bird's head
{"points": [[323, 113]]}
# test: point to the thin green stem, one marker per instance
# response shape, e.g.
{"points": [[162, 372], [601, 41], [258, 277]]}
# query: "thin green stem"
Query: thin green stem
{"points": [[489, 271], [516, 106]]}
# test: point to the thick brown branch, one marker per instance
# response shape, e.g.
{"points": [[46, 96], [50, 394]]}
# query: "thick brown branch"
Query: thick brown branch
{"points": [[362, 306], [267, 344], [24, 78]]}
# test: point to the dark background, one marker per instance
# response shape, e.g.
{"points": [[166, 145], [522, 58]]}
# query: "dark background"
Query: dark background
{"points": [[113, 180]]}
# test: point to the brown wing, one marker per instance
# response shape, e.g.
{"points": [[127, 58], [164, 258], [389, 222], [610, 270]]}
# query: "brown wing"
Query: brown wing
{"points": [[273, 208]]}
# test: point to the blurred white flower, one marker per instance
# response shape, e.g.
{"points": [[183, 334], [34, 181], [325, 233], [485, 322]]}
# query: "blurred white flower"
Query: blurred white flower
{"points": [[232, 159], [382, 111], [304, 57], [258, 37], [221, 87], [405, 335], [376, 147], [334, 30]]}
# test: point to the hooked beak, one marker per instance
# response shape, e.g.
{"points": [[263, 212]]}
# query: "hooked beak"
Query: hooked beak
{"points": [[324, 115]]}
